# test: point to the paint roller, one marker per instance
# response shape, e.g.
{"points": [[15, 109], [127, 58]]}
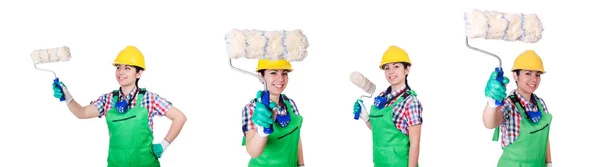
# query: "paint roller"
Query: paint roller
{"points": [[271, 45], [365, 84], [494, 25], [51, 55]]}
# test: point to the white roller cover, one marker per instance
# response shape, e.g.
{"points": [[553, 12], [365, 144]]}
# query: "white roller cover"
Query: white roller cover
{"points": [[51, 55], [503, 26], [362, 82], [271, 45]]}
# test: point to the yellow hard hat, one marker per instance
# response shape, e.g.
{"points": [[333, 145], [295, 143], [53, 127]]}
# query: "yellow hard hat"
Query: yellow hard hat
{"points": [[529, 60], [264, 64], [131, 56], [394, 54]]}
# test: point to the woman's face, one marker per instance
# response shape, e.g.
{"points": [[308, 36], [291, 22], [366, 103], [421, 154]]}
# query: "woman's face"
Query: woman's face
{"points": [[528, 81], [395, 73], [126, 75], [276, 80]]}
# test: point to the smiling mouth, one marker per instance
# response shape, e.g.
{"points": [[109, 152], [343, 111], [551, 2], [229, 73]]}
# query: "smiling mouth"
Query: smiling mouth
{"points": [[392, 78], [278, 85], [531, 85]]}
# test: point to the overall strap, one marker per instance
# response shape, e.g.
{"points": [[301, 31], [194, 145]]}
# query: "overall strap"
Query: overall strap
{"points": [[539, 105], [288, 105], [115, 94], [140, 97], [404, 94], [521, 108], [141, 93], [409, 92], [496, 133], [517, 103]]}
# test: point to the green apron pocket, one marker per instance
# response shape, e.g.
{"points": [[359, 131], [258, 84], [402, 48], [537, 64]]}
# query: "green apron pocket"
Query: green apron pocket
{"points": [[375, 116], [288, 133], [117, 120], [539, 129]]}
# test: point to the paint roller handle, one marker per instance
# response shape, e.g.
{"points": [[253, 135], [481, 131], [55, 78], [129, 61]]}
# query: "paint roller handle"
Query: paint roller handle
{"points": [[266, 101], [500, 78], [57, 83], [360, 111], [357, 109]]}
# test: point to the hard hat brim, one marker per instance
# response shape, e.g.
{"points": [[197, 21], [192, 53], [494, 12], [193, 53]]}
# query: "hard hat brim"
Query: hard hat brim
{"points": [[129, 64], [388, 62], [289, 69]]}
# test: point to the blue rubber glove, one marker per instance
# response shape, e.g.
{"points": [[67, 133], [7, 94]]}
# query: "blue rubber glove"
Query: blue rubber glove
{"points": [[359, 107], [158, 149], [58, 93], [494, 90]]}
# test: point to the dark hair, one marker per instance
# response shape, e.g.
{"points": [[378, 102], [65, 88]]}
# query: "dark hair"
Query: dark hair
{"points": [[518, 71], [262, 72], [406, 65], [137, 69]]}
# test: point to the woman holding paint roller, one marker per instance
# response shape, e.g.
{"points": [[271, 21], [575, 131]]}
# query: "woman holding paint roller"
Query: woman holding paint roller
{"points": [[129, 112], [283, 147], [395, 119], [271, 122], [523, 119]]}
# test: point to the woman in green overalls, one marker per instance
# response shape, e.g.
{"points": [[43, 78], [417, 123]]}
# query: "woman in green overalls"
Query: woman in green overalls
{"points": [[282, 147], [523, 119], [129, 112], [395, 119]]}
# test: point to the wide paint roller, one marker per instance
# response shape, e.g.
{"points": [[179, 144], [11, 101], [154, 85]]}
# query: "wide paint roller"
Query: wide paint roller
{"points": [[493, 25], [51, 55], [271, 45], [365, 84]]}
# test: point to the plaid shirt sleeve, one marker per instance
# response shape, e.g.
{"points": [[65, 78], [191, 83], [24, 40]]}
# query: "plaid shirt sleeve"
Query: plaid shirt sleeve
{"points": [[247, 112], [507, 108], [103, 104], [157, 106], [509, 128], [407, 113]]}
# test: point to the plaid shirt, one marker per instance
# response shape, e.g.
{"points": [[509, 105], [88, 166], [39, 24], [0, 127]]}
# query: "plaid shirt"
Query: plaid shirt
{"points": [[510, 126], [406, 113], [156, 105], [248, 110]]}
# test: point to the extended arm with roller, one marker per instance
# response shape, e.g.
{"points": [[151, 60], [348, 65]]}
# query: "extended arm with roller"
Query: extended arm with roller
{"points": [[494, 91], [359, 108], [81, 112], [262, 116]]}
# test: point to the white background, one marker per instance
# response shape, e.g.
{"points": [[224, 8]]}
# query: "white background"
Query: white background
{"points": [[184, 42]]}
